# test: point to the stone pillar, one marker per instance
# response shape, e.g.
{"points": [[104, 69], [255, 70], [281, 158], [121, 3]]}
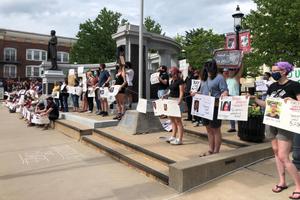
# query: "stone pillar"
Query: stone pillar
{"points": [[165, 58], [49, 78]]}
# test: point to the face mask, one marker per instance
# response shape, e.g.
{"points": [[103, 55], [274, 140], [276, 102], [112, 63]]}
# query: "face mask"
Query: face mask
{"points": [[276, 76], [196, 76]]}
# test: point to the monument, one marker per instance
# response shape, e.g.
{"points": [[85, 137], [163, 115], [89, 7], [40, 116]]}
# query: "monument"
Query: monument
{"points": [[52, 75]]}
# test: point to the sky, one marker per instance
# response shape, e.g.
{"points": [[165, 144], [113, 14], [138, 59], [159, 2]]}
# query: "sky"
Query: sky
{"points": [[175, 16]]}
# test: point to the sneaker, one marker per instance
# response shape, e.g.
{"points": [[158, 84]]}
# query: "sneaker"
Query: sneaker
{"points": [[170, 139], [176, 142], [100, 113], [104, 114], [117, 117], [231, 130]]}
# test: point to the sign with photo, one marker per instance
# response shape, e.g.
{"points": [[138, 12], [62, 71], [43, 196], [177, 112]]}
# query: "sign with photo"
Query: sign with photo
{"points": [[154, 78], [230, 42], [91, 92], [245, 43], [195, 85], [142, 106], [38, 119], [103, 92], [166, 107], [283, 115], [203, 106], [233, 108]]}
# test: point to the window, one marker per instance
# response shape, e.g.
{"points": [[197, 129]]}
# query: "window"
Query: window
{"points": [[10, 71], [10, 54], [32, 71], [36, 54], [62, 57]]}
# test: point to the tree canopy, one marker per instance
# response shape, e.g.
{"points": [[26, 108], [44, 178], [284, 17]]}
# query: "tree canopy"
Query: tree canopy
{"points": [[152, 26], [95, 44], [275, 29]]}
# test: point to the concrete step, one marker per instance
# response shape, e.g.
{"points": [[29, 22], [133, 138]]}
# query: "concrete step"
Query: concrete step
{"points": [[72, 129], [131, 158], [133, 147], [91, 123]]}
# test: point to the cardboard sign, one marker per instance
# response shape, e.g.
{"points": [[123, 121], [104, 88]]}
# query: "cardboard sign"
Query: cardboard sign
{"points": [[261, 85], [142, 106], [283, 115], [233, 108], [166, 107], [203, 106], [195, 85], [154, 78]]}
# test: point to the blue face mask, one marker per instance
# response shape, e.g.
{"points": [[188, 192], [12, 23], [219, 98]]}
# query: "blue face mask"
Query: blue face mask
{"points": [[276, 76]]}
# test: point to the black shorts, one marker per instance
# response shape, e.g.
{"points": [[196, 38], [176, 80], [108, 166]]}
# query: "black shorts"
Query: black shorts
{"points": [[129, 90], [215, 123]]}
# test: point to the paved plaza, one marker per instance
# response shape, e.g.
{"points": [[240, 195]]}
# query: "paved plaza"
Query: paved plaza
{"points": [[38, 164]]}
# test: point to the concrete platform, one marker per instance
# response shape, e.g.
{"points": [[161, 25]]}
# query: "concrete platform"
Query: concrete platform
{"points": [[90, 120]]}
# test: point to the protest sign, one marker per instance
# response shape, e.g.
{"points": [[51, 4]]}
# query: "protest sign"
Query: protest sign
{"points": [[142, 106], [261, 85], [154, 78], [283, 115], [80, 71], [71, 89], [233, 108], [203, 106], [78, 90], [103, 91], [71, 72], [166, 107], [195, 85], [91, 92], [38, 119], [84, 84], [55, 94]]}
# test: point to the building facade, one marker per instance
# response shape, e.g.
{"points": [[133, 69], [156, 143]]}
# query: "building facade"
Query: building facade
{"points": [[21, 53]]}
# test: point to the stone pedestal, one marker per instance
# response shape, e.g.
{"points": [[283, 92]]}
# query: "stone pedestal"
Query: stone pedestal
{"points": [[49, 78], [134, 122]]}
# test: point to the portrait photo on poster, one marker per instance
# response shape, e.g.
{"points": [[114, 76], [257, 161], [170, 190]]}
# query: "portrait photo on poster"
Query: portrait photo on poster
{"points": [[273, 109], [226, 106]]}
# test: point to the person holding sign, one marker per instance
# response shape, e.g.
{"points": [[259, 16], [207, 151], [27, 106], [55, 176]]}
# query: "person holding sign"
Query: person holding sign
{"points": [[120, 97], [282, 139], [176, 93], [65, 95], [214, 85], [193, 92], [104, 78], [163, 82], [55, 91], [188, 97]]}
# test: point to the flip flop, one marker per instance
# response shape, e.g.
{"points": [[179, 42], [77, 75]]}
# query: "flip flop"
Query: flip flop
{"points": [[292, 197], [279, 188]]}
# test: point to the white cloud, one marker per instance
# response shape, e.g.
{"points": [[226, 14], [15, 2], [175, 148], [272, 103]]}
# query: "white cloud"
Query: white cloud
{"points": [[175, 16]]}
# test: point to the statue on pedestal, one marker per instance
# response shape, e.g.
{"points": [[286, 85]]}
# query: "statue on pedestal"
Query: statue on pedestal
{"points": [[52, 50]]}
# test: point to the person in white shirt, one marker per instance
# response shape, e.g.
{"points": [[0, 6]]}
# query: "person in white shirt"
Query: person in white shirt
{"points": [[129, 79]]}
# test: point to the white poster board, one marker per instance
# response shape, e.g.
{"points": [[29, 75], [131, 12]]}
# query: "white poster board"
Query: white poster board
{"points": [[195, 85], [203, 106], [261, 85], [156, 107], [71, 72], [154, 78], [283, 115], [55, 94], [91, 92], [233, 108], [78, 90], [84, 84], [166, 107], [142, 106], [80, 71], [71, 89]]}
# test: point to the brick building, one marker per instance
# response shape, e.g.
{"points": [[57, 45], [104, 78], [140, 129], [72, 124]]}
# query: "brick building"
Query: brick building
{"points": [[21, 53]]}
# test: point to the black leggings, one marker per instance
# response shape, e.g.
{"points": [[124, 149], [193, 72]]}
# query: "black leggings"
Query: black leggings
{"points": [[90, 101]]}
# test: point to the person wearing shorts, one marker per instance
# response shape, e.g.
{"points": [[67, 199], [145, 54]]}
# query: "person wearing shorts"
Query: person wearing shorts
{"points": [[282, 140], [214, 84]]}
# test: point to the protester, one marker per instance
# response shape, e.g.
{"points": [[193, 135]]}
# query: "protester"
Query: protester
{"points": [[83, 97], [163, 82], [56, 89], [197, 76], [120, 97], [282, 139], [214, 85], [91, 81], [129, 80], [97, 92], [65, 95], [104, 78], [232, 77], [75, 96], [176, 93], [51, 111], [188, 97]]}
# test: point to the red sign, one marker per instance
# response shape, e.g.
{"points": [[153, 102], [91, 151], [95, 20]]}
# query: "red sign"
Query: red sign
{"points": [[245, 42], [230, 41]]}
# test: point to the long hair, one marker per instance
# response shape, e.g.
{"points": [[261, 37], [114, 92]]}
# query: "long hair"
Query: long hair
{"points": [[211, 67]]}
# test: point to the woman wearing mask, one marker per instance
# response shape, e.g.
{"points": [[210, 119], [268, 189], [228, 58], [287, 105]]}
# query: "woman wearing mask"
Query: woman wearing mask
{"points": [[120, 97], [176, 93], [281, 139], [214, 85]]}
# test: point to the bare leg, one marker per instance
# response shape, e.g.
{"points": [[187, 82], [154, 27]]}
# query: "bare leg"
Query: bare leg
{"points": [[174, 127], [279, 165], [179, 128], [210, 139], [217, 139]]}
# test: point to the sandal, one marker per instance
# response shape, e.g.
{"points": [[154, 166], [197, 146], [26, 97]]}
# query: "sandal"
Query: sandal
{"points": [[297, 193], [279, 188], [206, 154]]}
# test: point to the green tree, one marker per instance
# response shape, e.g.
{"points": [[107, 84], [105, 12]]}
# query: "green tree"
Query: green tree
{"points": [[200, 44], [275, 30], [152, 26], [95, 44]]}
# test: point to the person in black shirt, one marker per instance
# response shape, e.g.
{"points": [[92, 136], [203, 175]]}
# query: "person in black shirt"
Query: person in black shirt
{"points": [[51, 110], [282, 139], [188, 97], [176, 93], [163, 82]]}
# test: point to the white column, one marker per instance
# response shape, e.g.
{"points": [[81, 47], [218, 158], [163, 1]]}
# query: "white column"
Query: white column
{"points": [[141, 50]]}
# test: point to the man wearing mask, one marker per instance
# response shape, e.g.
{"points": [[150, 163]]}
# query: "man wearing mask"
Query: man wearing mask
{"points": [[163, 82]]}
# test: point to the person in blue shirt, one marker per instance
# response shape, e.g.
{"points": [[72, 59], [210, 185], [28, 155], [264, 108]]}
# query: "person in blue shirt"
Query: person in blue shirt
{"points": [[104, 78]]}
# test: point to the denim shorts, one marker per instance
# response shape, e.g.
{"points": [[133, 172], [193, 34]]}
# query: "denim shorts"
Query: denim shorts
{"points": [[279, 134], [162, 93]]}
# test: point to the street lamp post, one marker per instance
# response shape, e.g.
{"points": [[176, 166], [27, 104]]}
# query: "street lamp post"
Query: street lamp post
{"points": [[237, 16]]}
